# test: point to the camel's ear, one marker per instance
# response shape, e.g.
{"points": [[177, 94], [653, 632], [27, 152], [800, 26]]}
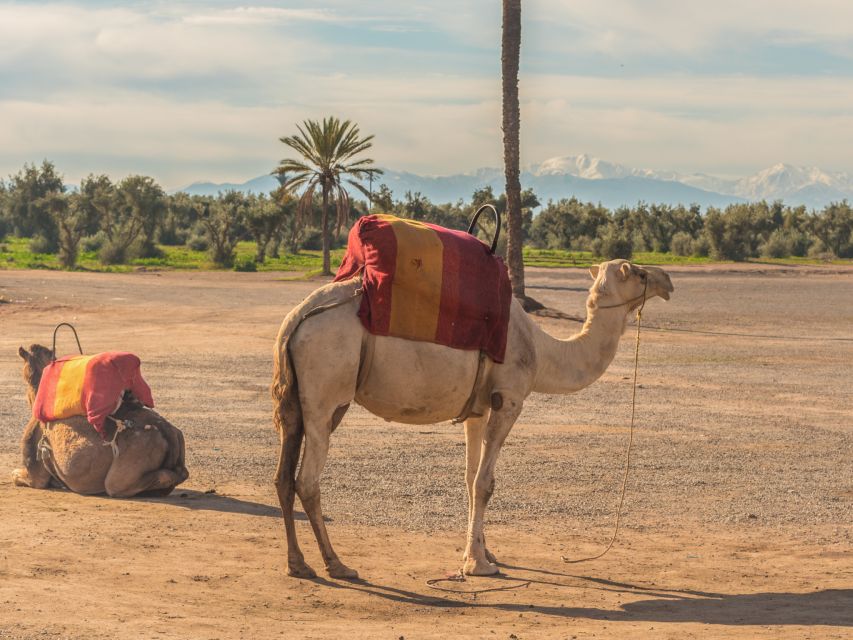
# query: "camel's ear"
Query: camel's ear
{"points": [[625, 271], [593, 271], [23, 353]]}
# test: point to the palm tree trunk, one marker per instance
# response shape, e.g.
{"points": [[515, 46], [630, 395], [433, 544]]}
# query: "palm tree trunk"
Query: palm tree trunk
{"points": [[510, 47], [327, 264]]}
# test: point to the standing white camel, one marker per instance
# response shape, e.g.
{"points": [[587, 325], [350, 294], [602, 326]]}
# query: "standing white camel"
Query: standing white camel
{"points": [[325, 359]]}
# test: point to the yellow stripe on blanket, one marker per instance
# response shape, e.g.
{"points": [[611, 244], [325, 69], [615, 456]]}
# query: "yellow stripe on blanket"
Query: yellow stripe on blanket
{"points": [[69, 389], [416, 290]]}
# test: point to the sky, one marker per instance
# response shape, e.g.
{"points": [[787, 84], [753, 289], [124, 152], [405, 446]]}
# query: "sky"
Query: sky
{"points": [[203, 90]]}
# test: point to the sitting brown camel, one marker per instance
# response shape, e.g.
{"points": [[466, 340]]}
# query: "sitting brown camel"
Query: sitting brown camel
{"points": [[147, 455]]}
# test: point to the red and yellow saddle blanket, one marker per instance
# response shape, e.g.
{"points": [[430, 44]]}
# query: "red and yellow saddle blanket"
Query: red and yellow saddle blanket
{"points": [[90, 386], [425, 282]]}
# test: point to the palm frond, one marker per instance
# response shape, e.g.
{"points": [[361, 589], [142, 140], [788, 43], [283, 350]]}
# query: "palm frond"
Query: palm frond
{"points": [[361, 188], [306, 203], [329, 150]]}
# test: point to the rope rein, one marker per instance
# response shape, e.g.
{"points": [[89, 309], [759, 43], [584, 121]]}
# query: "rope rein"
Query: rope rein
{"points": [[630, 443], [521, 583]]}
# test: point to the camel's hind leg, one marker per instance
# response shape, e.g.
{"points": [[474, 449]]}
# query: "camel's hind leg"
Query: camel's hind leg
{"points": [[33, 473], [308, 487], [289, 422], [138, 466], [325, 353]]}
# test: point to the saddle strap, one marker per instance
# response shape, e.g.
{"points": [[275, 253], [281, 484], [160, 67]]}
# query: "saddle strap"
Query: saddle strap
{"points": [[478, 381]]}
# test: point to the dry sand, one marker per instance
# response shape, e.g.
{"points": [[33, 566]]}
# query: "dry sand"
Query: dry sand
{"points": [[737, 521]]}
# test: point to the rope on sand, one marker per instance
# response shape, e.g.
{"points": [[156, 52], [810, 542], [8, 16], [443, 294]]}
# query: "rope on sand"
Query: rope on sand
{"points": [[460, 577]]}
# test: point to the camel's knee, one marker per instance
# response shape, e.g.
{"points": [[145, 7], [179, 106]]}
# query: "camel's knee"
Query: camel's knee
{"points": [[34, 476], [120, 489], [22, 478], [309, 492], [284, 480], [485, 486]]}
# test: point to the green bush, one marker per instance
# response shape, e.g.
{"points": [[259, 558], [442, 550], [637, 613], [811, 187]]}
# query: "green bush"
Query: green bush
{"points": [[198, 242], [173, 236], [702, 246], [778, 245], [145, 249], [112, 253], [682, 244], [312, 239], [246, 265], [613, 243], [41, 244], [93, 243]]}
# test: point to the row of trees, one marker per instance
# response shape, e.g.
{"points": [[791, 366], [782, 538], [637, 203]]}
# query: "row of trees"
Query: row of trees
{"points": [[134, 218], [738, 232]]}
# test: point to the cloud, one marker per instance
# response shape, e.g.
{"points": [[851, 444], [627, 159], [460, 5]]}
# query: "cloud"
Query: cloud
{"points": [[192, 91], [263, 16], [624, 27]]}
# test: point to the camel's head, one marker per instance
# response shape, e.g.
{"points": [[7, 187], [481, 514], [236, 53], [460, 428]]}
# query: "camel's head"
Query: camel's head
{"points": [[35, 360], [619, 283]]}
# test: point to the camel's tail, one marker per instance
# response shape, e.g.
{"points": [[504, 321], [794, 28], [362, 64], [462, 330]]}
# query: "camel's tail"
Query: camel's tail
{"points": [[287, 414], [285, 392]]}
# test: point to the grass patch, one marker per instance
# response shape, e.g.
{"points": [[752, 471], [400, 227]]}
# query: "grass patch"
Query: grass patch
{"points": [[15, 254], [564, 258]]}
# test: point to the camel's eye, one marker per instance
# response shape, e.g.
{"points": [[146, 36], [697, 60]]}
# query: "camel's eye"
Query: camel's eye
{"points": [[642, 276]]}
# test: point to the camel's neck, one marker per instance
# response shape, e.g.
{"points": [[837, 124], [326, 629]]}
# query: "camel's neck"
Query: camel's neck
{"points": [[566, 366], [33, 379]]}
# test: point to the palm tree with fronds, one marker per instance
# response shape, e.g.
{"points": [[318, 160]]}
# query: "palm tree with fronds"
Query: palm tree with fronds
{"points": [[328, 149]]}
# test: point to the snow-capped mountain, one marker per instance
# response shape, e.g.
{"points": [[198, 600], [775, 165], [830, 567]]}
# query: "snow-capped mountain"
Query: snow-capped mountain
{"points": [[810, 186], [783, 181], [593, 179], [590, 168]]}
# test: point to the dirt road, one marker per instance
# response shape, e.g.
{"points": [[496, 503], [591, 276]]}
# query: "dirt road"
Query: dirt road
{"points": [[737, 521]]}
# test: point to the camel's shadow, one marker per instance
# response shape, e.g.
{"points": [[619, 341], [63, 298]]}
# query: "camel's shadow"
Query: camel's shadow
{"points": [[827, 607], [203, 501]]}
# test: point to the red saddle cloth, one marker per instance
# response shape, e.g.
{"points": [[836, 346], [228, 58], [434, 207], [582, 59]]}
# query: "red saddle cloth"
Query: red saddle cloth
{"points": [[425, 282], [90, 386]]}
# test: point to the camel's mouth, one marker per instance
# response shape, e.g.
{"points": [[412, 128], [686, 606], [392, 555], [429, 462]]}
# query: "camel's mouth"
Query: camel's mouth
{"points": [[660, 282]]}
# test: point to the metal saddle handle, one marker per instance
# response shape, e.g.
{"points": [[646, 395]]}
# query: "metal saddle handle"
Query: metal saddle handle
{"points": [[497, 224], [76, 337]]}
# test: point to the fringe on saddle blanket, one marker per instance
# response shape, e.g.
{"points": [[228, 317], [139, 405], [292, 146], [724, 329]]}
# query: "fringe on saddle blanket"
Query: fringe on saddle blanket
{"points": [[425, 282], [91, 386]]}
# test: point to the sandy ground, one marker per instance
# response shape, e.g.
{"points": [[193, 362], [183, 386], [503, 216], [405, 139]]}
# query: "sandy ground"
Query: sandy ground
{"points": [[737, 521]]}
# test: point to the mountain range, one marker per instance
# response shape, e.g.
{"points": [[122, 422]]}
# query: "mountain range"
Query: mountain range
{"points": [[613, 185]]}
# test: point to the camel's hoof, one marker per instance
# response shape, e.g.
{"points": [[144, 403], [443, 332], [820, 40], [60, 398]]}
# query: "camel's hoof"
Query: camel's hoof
{"points": [[300, 570], [341, 571], [481, 568], [489, 556], [20, 477]]}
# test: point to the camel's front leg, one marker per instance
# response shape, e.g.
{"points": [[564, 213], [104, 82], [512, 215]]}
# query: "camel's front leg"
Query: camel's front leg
{"points": [[33, 473], [308, 488], [475, 428], [498, 427]]}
